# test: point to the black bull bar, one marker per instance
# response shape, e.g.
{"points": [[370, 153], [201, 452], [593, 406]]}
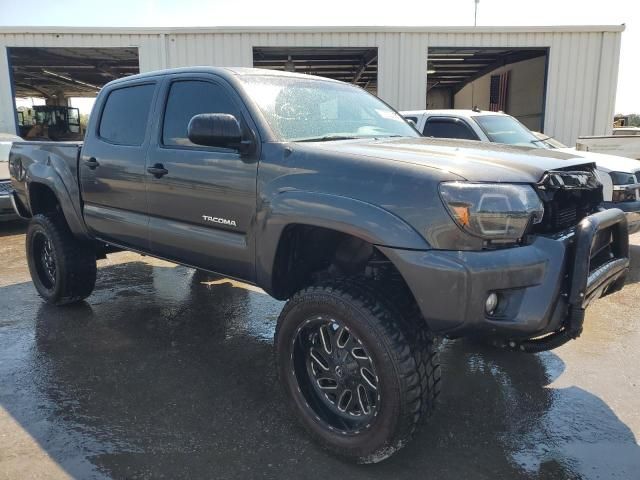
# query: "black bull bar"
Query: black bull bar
{"points": [[598, 267]]}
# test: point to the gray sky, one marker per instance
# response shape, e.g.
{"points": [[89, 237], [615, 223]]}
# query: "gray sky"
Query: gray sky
{"points": [[182, 13]]}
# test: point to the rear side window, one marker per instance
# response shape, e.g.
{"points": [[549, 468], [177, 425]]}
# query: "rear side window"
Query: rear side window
{"points": [[188, 98], [125, 115], [448, 128]]}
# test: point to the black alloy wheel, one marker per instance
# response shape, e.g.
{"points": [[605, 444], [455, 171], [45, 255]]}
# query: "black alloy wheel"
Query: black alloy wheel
{"points": [[44, 259], [336, 374]]}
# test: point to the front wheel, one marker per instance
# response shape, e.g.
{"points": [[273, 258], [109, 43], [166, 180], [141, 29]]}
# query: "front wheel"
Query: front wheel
{"points": [[353, 376], [63, 269]]}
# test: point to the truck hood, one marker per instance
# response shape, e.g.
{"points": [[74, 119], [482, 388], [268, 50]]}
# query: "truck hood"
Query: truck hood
{"points": [[471, 160], [606, 163]]}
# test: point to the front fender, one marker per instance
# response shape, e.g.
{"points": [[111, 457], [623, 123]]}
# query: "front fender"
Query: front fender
{"points": [[343, 214], [55, 174]]}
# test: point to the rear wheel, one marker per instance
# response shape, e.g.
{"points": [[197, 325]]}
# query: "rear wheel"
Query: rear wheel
{"points": [[355, 379], [63, 269]]}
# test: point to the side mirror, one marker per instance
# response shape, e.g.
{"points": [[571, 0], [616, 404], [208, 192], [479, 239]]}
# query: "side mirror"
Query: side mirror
{"points": [[217, 130]]}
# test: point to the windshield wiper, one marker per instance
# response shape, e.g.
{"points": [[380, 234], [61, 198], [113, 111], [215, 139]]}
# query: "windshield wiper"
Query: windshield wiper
{"points": [[327, 138]]}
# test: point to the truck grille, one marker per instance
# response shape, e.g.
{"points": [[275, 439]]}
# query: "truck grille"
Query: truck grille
{"points": [[566, 217], [5, 188], [568, 197]]}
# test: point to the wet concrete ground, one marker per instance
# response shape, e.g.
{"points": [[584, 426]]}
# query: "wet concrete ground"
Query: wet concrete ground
{"points": [[168, 373]]}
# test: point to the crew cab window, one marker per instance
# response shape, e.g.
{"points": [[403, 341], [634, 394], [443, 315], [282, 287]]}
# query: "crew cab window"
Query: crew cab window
{"points": [[125, 114], [188, 98], [448, 128]]}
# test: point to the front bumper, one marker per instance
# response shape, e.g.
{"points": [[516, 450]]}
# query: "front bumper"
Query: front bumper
{"points": [[541, 286]]}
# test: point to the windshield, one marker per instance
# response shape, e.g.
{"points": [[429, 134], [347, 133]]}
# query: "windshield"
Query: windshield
{"points": [[508, 130], [316, 110]]}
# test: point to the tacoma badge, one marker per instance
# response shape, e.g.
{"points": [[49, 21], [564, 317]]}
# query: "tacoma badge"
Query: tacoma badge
{"points": [[223, 221]]}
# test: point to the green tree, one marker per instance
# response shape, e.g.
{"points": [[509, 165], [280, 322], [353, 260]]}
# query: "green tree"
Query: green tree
{"points": [[634, 120]]}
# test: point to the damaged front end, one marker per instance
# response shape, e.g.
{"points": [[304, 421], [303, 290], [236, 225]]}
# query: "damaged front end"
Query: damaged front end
{"points": [[597, 242]]}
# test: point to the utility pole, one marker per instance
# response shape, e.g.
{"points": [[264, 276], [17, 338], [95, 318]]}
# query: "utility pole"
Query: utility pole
{"points": [[475, 13], [475, 24]]}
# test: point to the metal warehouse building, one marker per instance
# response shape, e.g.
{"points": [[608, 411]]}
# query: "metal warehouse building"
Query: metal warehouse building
{"points": [[560, 80]]}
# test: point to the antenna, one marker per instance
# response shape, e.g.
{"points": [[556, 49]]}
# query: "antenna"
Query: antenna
{"points": [[475, 12]]}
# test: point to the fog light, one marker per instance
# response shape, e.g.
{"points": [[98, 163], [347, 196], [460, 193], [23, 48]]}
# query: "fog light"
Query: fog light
{"points": [[491, 303]]}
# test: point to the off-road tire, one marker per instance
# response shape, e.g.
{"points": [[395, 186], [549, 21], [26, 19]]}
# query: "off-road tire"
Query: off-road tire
{"points": [[74, 261], [422, 342], [404, 357]]}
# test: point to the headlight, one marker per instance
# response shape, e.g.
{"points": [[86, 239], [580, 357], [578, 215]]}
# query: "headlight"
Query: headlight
{"points": [[622, 178], [492, 211], [624, 187]]}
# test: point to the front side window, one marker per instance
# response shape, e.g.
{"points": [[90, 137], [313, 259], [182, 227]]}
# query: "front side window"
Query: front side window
{"points": [[299, 109], [188, 98], [448, 128], [125, 115]]}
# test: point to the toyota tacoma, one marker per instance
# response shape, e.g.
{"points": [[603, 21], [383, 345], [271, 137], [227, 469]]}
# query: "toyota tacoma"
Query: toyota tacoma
{"points": [[322, 195]]}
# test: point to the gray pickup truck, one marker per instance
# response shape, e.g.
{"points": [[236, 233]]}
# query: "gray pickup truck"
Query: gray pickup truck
{"points": [[322, 195]]}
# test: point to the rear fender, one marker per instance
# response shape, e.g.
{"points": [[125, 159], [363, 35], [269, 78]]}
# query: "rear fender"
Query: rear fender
{"points": [[54, 173]]}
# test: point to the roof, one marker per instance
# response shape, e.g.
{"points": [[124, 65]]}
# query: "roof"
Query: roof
{"points": [[454, 111], [223, 72], [289, 29]]}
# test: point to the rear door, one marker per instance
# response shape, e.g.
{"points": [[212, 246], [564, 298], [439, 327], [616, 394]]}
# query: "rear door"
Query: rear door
{"points": [[202, 209], [112, 165]]}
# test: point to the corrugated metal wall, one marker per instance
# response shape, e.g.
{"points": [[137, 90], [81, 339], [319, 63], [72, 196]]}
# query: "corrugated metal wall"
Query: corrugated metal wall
{"points": [[581, 81]]}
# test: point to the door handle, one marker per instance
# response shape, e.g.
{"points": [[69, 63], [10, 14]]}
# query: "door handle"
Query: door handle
{"points": [[92, 163], [157, 170]]}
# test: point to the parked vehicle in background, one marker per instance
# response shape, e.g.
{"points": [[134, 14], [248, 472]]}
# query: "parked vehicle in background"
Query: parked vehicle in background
{"points": [[50, 122], [620, 176], [624, 142], [7, 211], [322, 195], [626, 131]]}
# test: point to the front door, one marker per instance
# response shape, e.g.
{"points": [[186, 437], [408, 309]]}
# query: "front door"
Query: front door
{"points": [[202, 200], [112, 165]]}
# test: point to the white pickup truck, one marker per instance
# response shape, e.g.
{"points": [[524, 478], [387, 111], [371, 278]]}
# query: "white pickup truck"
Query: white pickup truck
{"points": [[620, 176]]}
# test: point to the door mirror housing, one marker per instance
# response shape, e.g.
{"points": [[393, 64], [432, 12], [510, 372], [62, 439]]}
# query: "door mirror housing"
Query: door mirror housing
{"points": [[217, 130]]}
